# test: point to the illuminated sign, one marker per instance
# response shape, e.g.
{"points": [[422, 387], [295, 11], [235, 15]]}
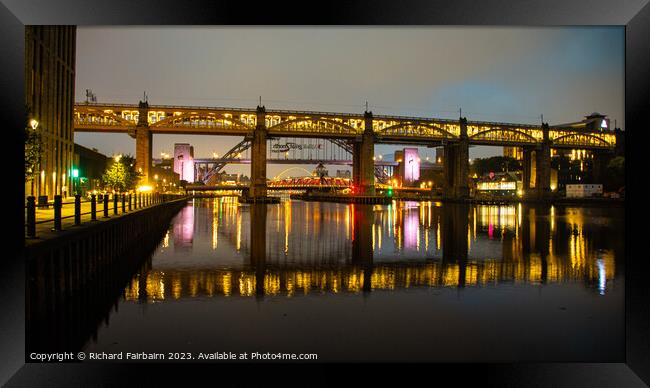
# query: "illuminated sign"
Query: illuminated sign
{"points": [[293, 146], [603, 124]]}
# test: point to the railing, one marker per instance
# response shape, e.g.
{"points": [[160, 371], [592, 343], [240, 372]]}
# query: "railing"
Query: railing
{"points": [[78, 209], [318, 113]]}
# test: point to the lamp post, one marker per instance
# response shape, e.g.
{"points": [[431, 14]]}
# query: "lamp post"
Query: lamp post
{"points": [[75, 177], [34, 124]]}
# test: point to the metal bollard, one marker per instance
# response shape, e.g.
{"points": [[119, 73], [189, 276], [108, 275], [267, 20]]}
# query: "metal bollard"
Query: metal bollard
{"points": [[57, 213], [77, 209], [130, 195], [31, 216], [93, 207], [114, 203], [105, 205], [123, 203], [139, 200]]}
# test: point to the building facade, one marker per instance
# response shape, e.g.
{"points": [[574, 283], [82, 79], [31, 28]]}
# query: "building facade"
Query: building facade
{"points": [[49, 99], [516, 153], [163, 177], [184, 161], [88, 168], [408, 169]]}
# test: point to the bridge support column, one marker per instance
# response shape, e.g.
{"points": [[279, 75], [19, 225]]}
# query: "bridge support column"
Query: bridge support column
{"points": [[143, 144], [258, 156], [456, 166], [543, 166], [527, 170], [363, 167], [356, 164]]}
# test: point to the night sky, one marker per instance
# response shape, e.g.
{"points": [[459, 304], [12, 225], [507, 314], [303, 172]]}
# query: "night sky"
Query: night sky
{"points": [[493, 74]]}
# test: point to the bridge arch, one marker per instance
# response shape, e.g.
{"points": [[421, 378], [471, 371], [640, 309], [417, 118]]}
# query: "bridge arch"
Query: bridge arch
{"points": [[217, 121], [293, 168], [581, 139], [94, 117], [417, 129], [515, 135], [314, 125], [246, 144]]}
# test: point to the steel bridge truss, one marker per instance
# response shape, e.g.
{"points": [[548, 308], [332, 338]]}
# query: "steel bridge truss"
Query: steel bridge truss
{"points": [[93, 117], [297, 150]]}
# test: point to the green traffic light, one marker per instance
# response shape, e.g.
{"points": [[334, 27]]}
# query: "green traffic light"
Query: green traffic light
{"points": [[75, 173]]}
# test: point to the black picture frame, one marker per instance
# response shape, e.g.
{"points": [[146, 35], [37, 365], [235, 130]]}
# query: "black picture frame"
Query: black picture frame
{"points": [[634, 15]]}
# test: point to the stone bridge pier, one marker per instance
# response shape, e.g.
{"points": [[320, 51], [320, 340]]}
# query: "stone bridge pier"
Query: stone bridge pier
{"points": [[143, 144], [258, 156], [363, 166], [456, 166], [536, 177]]}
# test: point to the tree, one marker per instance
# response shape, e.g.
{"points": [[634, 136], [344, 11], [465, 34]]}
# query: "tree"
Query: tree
{"points": [[615, 173], [121, 174], [33, 149], [494, 164]]}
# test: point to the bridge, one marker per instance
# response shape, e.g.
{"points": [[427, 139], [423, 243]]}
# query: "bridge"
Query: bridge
{"points": [[302, 183], [292, 151], [357, 132]]}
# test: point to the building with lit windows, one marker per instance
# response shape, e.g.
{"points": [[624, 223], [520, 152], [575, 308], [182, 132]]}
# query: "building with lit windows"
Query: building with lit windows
{"points": [[516, 153], [503, 183], [49, 98]]}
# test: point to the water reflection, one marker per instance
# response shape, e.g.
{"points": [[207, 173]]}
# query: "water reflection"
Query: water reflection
{"points": [[298, 248]]}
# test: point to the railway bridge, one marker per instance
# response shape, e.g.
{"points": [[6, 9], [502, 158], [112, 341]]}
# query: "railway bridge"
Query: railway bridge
{"points": [[357, 132]]}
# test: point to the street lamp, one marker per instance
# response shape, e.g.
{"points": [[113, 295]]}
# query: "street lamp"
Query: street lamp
{"points": [[34, 124], [75, 176]]}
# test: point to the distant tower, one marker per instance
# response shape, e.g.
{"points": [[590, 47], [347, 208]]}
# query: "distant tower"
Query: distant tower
{"points": [[184, 161], [410, 166]]}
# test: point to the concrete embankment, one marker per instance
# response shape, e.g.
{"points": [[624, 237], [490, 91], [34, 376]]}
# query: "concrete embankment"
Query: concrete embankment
{"points": [[83, 267]]}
